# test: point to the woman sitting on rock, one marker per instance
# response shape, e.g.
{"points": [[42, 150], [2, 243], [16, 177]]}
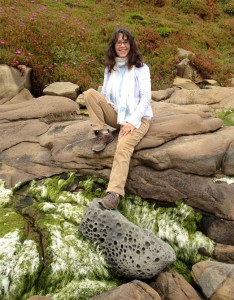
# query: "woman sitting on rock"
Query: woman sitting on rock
{"points": [[124, 103]]}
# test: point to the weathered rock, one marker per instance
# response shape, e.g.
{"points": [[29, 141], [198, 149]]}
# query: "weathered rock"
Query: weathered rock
{"points": [[171, 285], [218, 229], [24, 95], [65, 89], [134, 290], [211, 152], [218, 97], [80, 100], [215, 279], [182, 53], [131, 251], [171, 184], [184, 120], [162, 94], [47, 136], [231, 82], [12, 81], [224, 253], [186, 69], [184, 83], [211, 82]]}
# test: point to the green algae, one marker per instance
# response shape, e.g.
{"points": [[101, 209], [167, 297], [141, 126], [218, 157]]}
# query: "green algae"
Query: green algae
{"points": [[6, 195], [20, 264], [227, 116], [72, 261], [10, 221], [175, 225], [71, 266]]}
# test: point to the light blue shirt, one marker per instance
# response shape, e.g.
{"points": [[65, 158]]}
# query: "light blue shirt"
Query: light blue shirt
{"points": [[142, 95]]}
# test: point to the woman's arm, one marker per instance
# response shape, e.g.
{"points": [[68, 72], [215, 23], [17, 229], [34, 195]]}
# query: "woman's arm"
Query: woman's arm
{"points": [[144, 90]]}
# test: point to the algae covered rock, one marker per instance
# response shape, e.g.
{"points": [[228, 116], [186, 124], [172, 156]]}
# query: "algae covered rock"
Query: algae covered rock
{"points": [[56, 261], [43, 253], [19, 256]]}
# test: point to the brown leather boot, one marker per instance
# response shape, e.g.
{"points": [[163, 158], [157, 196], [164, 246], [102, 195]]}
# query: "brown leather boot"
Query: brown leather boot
{"points": [[110, 201], [102, 140]]}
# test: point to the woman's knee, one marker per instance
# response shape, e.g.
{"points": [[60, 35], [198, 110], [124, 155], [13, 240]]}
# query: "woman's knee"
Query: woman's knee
{"points": [[89, 92]]}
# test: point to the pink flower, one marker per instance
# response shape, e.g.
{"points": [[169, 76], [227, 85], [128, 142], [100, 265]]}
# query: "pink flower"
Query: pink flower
{"points": [[43, 8], [17, 52], [3, 42]]}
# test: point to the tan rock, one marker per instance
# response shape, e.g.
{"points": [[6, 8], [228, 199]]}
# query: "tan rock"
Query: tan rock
{"points": [[134, 290], [231, 81], [80, 100], [23, 95], [170, 122], [65, 89], [171, 285], [22, 131], [215, 279], [45, 106], [182, 53], [197, 154], [224, 253], [186, 69], [11, 83], [162, 94], [217, 97], [184, 83]]}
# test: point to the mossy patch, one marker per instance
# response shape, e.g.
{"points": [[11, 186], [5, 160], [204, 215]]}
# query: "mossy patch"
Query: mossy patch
{"points": [[227, 116], [71, 267]]}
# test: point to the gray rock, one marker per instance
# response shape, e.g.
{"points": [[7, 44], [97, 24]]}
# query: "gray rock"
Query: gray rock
{"points": [[131, 251]]}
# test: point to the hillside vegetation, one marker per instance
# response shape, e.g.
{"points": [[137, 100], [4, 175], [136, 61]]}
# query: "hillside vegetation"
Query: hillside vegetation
{"points": [[66, 40]]}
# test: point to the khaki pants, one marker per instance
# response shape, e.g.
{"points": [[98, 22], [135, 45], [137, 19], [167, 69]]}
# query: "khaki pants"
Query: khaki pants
{"points": [[102, 114]]}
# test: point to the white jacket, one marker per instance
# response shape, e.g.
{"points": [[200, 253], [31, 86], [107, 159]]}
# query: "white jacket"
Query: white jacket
{"points": [[142, 95]]}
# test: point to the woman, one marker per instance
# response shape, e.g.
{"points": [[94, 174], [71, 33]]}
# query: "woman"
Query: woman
{"points": [[124, 103]]}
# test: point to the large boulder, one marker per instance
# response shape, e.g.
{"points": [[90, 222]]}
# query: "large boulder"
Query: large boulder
{"points": [[131, 251]]}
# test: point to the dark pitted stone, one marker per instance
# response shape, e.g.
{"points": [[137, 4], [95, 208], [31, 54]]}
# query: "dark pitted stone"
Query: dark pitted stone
{"points": [[130, 250]]}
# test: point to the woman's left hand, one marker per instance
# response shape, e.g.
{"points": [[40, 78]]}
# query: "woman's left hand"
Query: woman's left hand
{"points": [[126, 129]]}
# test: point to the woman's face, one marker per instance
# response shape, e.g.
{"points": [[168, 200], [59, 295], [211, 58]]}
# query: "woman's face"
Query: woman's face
{"points": [[122, 46]]}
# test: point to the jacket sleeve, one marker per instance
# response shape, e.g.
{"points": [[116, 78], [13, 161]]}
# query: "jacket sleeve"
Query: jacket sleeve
{"points": [[106, 78], [144, 86]]}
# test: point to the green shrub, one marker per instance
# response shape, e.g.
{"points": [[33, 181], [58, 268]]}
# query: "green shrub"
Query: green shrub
{"points": [[229, 8], [198, 7]]}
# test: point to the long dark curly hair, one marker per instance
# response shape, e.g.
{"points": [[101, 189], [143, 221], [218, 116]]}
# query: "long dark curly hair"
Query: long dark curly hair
{"points": [[134, 56]]}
